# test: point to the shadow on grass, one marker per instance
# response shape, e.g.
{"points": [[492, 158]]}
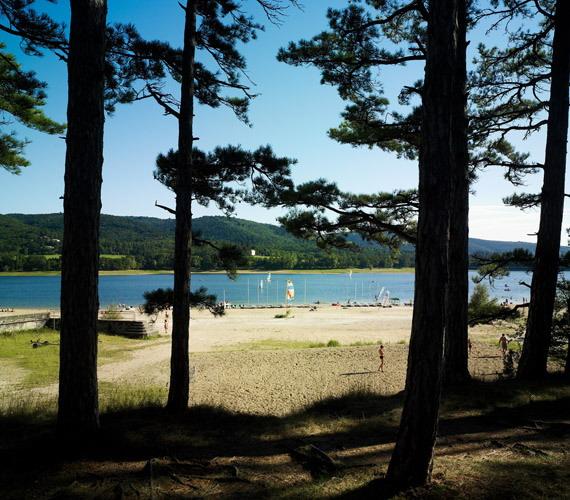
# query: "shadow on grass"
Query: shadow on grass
{"points": [[359, 427]]}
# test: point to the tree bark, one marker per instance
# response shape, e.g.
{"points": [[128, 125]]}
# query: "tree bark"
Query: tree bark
{"points": [[78, 411], [456, 370], [180, 360], [543, 286], [411, 461], [567, 366]]}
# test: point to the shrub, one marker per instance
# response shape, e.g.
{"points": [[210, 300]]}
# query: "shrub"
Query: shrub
{"points": [[481, 305]]}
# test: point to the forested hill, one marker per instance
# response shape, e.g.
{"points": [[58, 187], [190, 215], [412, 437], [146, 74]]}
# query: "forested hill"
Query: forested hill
{"points": [[33, 242], [37, 234]]}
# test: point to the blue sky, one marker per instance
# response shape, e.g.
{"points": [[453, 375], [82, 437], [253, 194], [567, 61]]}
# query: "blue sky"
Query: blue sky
{"points": [[292, 113]]}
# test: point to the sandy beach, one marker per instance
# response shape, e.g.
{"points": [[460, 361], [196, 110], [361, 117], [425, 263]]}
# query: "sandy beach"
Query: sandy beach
{"points": [[347, 325], [227, 372], [236, 361], [364, 324]]}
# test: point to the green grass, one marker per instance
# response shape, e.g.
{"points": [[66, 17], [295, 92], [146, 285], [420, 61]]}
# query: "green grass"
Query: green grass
{"points": [[40, 407], [124, 396], [363, 343], [278, 344], [40, 366], [272, 344], [512, 345]]}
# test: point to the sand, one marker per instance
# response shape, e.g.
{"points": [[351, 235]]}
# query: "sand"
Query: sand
{"points": [[227, 372], [368, 324], [277, 382]]}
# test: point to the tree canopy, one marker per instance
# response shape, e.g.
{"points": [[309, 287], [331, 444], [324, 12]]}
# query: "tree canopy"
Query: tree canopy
{"points": [[22, 97]]}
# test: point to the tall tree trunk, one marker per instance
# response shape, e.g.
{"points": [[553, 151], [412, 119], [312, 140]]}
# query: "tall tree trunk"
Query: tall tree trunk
{"points": [[543, 287], [178, 393], [567, 366], [456, 370], [411, 461], [78, 411]]}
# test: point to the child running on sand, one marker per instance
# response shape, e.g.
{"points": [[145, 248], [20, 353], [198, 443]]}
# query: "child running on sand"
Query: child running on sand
{"points": [[381, 354]]}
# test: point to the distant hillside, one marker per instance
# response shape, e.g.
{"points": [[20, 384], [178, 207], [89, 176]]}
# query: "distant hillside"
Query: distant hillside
{"points": [[477, 245], [27, 232], [147, 242]]}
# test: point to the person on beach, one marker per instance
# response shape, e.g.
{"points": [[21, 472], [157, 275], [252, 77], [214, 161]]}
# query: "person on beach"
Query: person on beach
{"points": [[504, 345], [381, 354]]}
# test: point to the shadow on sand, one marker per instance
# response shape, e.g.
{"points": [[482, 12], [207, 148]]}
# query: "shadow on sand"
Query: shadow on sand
{"points": [[212, 452], [349, 374]]}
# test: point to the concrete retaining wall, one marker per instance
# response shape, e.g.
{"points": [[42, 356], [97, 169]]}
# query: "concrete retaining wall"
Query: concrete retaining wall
{"points": [[23, 322], [125, 328]]}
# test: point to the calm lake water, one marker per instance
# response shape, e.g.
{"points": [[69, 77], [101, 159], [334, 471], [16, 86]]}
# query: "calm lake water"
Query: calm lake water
{"points": [[251, 289]]}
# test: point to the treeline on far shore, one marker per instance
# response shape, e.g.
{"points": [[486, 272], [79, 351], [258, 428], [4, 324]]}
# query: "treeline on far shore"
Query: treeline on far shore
{"points": [[205, 260]]}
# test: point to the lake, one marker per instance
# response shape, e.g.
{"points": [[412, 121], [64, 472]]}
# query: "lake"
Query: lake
{"points": [[43, 291]]}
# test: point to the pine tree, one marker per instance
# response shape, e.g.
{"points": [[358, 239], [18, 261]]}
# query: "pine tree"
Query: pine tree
{"points": [[22, 97], [100, 74], [511, 87], [352, 56], [222, 26], [543, 288], [411, 462], [78, 409], [349, 55]]}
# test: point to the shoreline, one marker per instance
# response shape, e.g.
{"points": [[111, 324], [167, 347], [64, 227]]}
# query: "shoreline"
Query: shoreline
{"points": [[143, 272]]}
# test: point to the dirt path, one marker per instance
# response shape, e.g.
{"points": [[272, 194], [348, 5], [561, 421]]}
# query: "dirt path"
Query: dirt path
{"points": [[141, 361]]}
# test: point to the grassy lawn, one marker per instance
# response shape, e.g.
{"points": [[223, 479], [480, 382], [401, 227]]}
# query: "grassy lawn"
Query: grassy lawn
{"points": [[39, 366]]}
